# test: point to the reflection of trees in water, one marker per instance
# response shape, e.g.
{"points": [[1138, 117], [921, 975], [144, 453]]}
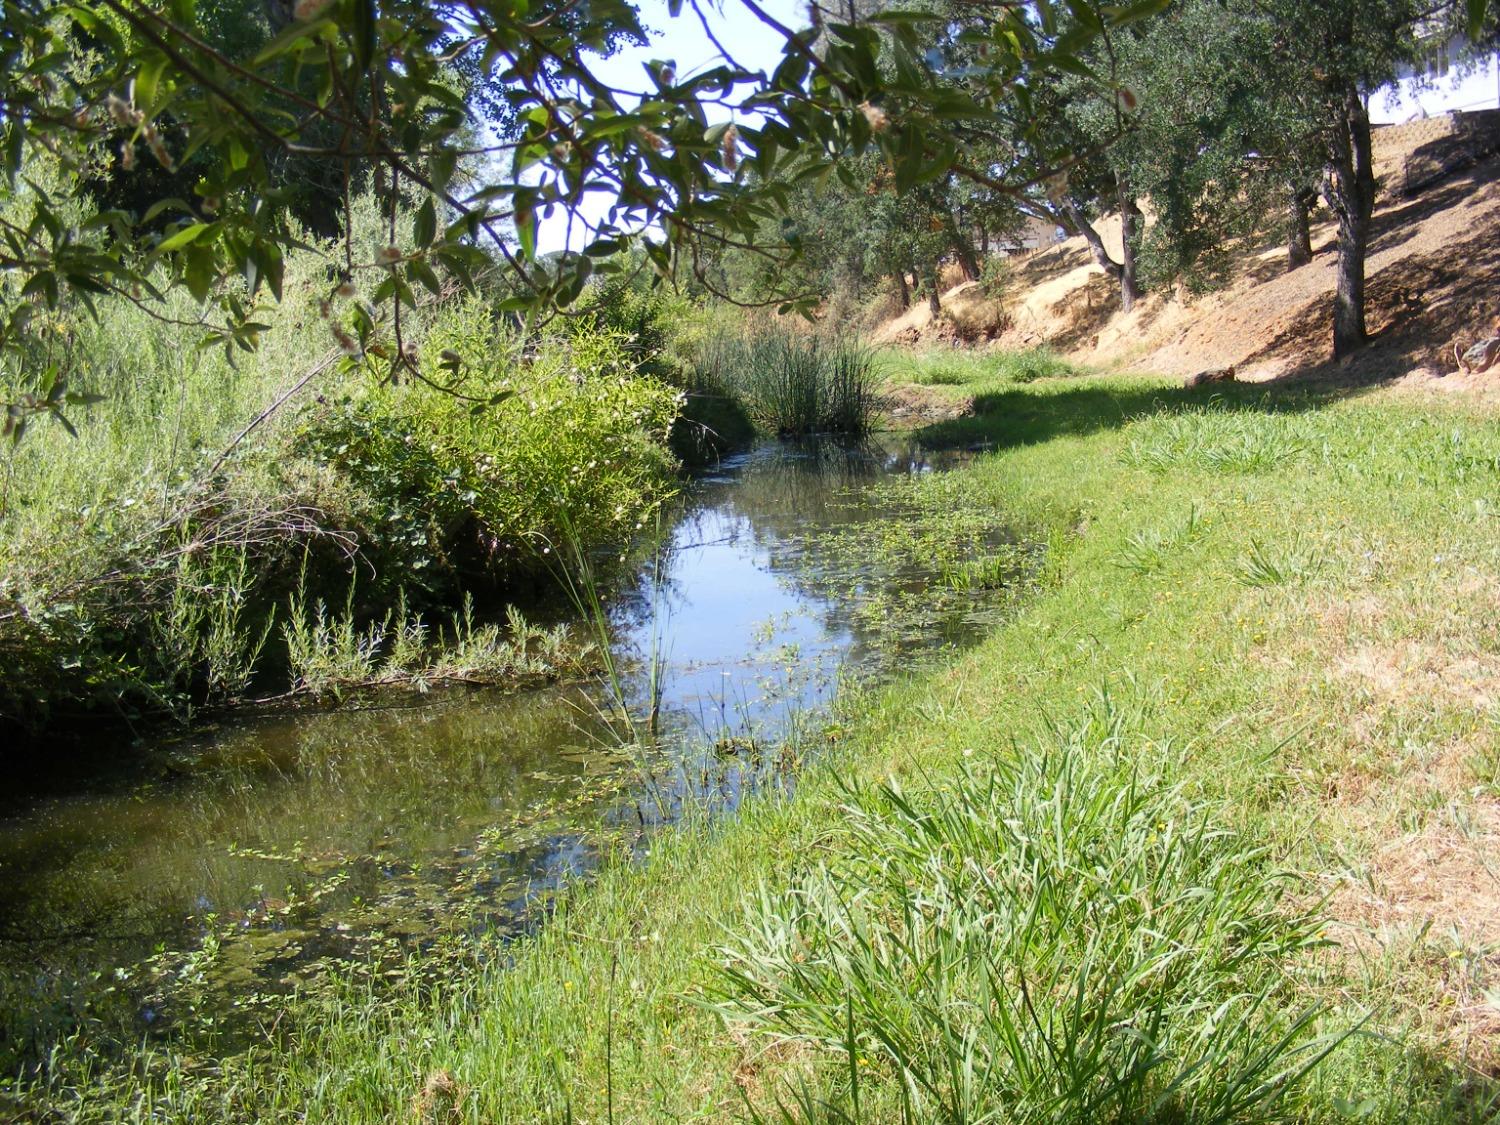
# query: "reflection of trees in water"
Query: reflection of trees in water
{"points": [[391, 800], [800, 484], [422, 812], [797, 501], [776, 496], [808, 512]]}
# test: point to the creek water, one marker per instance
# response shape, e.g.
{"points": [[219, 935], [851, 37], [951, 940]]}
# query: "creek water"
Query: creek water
{"points": [[195, 883]]}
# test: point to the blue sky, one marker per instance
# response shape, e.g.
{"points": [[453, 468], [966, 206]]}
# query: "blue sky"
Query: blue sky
{"points": [[683, 40]]}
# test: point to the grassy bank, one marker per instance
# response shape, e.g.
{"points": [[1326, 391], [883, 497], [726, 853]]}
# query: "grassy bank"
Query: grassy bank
{"points": [[1221, 799], [232, 525]]}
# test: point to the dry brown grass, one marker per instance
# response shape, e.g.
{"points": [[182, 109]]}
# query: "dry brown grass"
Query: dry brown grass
{"points": [[440, 1100], [1410, 785], [1430, 283]]}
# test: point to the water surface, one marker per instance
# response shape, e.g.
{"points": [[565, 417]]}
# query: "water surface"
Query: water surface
{"points": [[195, 885]]}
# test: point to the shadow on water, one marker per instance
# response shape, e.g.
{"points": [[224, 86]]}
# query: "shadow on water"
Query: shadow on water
{"points": [[196, 890]]}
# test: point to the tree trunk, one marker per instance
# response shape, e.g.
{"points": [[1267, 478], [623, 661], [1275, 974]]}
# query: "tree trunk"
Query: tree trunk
{"points": [[905, 290], [984, 241], [1075, 218], [963, 249], [279, 13], [1349, 188], [1299, 235], [1130, 233], [934, 303]]}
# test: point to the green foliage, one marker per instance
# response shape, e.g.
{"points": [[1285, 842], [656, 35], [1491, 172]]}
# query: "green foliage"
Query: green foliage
{"points": [[445, 486], [792, 383], [208, 629], [1143, 552], [995, 276], [331, 653], [948, 367], [1059, 933], [646, 316], [1266, 565], [941, 371], [148, 566], [241, 116]]}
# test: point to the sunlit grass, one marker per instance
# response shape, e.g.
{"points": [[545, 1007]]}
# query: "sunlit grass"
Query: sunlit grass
{"points": [[1160, 738], [955, 367]]}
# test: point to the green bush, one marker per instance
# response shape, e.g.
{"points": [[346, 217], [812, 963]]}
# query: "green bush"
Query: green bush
{"points": [[143, 565], [646, 319], [438, 483]]}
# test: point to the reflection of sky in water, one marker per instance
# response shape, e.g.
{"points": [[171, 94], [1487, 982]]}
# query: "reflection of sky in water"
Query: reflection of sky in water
{"points": [[727, 616], [441, 812], [721, 620]]}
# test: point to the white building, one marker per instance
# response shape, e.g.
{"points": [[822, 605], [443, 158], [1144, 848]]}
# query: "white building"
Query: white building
{"points": [[1444, 82]]}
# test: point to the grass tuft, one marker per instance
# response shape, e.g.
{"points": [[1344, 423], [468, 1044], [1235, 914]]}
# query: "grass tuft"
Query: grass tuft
{"points": [[793, 384], [1061, 933], [1225, 441], [1265, 565]]}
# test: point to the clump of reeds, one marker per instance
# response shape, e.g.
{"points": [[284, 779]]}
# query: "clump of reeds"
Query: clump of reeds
{"points": [[794, 384]]}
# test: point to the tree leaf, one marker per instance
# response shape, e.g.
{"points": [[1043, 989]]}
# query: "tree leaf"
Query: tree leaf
{"points": [[364, 33], [1476, 12], [182, 237], [424, 226]]}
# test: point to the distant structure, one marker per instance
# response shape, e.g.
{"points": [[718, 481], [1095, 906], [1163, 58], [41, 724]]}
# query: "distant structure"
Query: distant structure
{"points": [[1034, 234], [1449, 78]]}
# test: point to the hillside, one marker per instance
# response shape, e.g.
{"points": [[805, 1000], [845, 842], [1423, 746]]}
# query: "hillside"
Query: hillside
{"points": [[1439, 246]]}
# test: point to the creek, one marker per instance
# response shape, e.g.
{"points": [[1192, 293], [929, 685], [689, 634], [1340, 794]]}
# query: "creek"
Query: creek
{"points": [[187, 888]]}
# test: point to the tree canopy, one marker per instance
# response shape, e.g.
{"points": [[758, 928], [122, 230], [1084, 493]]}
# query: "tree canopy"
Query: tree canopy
{"points": [[214, 136], [401, 97]]}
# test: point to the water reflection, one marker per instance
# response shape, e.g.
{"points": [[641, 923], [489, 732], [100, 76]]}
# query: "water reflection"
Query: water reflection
{"points": [[242, 863]]}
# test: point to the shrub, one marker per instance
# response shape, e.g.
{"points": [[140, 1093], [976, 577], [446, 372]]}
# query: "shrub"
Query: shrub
{"points": [[995, 276], [444, 491], [141, 566], [645, 320]]}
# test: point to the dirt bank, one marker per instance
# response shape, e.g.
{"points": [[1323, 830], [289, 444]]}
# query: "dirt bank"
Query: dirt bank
{"points": [[1433, 265]]}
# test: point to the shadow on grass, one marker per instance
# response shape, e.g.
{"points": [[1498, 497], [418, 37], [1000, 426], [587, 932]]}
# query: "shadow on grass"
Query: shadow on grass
{"points": [[1030, 416]]}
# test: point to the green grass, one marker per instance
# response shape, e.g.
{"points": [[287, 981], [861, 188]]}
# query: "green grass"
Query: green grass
{"points": [[173, 553], [1014, 886], [1059, 932], [950, 367], [794, 384]]}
